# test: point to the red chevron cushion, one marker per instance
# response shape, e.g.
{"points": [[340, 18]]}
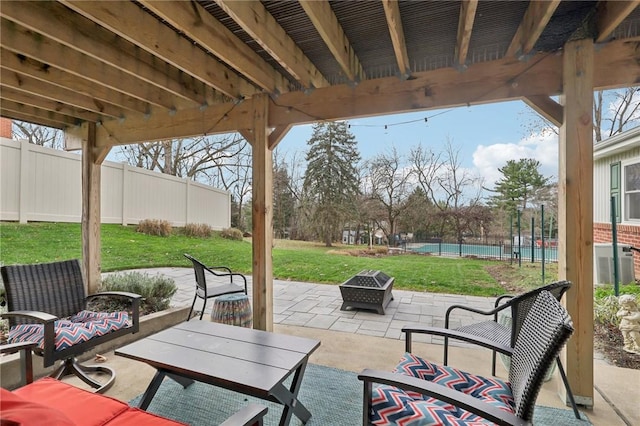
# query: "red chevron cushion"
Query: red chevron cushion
{"points": [[393, 406], [79, 328]]}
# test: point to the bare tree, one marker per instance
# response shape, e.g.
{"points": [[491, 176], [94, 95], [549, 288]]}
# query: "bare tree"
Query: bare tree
{"points": [[388, 182], [614, 111], [623, 112], [38, 135]]}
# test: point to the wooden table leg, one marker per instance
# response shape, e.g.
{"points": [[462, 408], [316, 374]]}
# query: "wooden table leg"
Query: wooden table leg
{"points": [[289, 398]]}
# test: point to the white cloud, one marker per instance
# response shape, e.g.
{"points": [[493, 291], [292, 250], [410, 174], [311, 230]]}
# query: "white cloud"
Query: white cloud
{"points": [[542, 147]]}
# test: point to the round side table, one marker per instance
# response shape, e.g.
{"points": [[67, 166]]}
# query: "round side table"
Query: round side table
{"points": [[232, 309]]}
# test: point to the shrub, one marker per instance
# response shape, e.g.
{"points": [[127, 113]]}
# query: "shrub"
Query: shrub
{"points": [[231, 234], [156, 291], [161, 228], [605, 303], [197, 230]]}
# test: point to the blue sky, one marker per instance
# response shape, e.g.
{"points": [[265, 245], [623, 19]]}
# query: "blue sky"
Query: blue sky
{"points": [[486, 136]]}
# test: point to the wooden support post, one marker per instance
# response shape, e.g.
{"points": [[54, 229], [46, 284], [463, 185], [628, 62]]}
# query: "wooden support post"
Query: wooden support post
{"points": [[262, 211], [575, 214], [92, 158]]}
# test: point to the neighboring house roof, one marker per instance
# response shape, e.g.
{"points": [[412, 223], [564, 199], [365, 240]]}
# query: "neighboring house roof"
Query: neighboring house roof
{"points": [[618, 143]]}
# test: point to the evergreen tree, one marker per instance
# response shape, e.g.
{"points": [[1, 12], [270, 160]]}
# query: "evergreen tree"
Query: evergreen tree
{"points": [[283, 201], [521, 181], [331, 181]]}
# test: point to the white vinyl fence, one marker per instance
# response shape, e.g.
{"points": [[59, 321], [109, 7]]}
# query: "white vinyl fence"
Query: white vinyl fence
{"points": [[43, 184]]}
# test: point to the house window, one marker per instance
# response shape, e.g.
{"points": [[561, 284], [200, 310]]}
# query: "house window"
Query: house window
{"points": [[631, 179]]}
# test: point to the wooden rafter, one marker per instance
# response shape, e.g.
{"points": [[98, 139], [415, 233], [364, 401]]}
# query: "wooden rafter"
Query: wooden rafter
{"points": [[42, 89], [327, 25], [33, 45], [34, 115], [254, 18], [66, 27], [465, 26], [47, 104], [207, 31], [427, 90], [73, 83], [396, 31], [140, 28], [610, 14], [535, 19]]}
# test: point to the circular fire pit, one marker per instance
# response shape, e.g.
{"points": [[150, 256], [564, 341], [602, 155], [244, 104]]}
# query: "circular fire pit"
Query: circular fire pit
{"points": [[368, 289]]}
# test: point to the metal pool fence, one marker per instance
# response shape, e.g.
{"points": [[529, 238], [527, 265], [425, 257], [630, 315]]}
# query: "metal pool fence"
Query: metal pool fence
{"points": [[527, 252]]}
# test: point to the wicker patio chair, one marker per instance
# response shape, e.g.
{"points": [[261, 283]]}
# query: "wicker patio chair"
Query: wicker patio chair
{"points": [[496, 331], [206, 291], [47, 304], [445, 395]]}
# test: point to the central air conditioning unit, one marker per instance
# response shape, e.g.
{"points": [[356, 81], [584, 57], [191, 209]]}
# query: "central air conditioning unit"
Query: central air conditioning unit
{"points": [[603, 264]]}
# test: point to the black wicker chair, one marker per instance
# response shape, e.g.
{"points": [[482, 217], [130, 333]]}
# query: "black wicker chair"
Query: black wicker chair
{"points": [[493, 331], [206, 291], [542, 335], [46, 293]]}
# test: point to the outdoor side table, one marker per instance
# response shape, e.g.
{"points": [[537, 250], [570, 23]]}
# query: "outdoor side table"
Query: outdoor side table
{"points": [[232, 309]]}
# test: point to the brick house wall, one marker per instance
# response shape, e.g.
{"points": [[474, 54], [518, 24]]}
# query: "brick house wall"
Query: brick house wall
{"points": [[5, 128], [627, 234]]}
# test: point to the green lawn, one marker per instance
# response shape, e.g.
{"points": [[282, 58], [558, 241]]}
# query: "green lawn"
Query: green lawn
{"points": [[123, 248]]}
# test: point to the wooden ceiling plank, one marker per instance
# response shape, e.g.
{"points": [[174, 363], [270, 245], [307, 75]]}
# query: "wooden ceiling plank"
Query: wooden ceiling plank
{"points": [[210, 33], [39, 115], [17, 96], [546, 107], [20, 40], [66, 27], [140, 28], [83, 87], [610, 14], [465, 27], [396, 31], [533, 23], [35, 87], [330, 30], [254, 18]]}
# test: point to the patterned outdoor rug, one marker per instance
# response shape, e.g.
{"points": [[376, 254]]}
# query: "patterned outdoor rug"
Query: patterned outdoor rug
{"points": [[334, 397]]}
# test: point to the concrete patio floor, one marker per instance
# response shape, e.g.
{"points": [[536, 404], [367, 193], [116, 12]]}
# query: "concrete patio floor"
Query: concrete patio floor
{"points": [[313, 310]]}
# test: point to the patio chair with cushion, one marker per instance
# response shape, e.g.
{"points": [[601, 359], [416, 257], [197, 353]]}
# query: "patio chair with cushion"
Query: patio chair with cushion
{"points": [[223, 283], [47, 304], [506, 321], [441, 395]]}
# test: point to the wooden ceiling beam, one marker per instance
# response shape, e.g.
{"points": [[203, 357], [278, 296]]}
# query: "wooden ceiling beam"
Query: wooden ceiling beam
{"points": [[616, 64], [546, 107], [40, 121], [254, 18], [610, 14], [396, 31], [330, 30], [35, 115], [35, 87], [66, 27], [20, 40], [199, 25], [130, 22], [465, 27], [83, 87], [535, 19], [45, 104]]}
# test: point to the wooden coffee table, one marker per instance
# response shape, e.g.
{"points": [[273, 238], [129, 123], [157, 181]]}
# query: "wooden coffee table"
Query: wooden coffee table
{"points": [[248, 361]]}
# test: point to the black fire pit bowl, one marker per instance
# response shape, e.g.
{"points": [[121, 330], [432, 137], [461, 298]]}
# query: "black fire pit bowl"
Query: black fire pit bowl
{"points": [[367, 290]]}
